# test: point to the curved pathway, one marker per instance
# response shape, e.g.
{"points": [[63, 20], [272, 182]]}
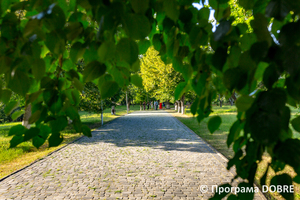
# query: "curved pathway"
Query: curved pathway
{"points": [[143, 155]]}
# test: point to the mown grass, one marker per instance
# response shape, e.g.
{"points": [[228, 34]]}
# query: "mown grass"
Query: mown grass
{"points": [[218, 140], [12, 159]]}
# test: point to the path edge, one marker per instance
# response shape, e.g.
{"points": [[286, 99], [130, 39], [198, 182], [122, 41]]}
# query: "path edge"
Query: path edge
{"points": [[266, 196], [49, 154]]}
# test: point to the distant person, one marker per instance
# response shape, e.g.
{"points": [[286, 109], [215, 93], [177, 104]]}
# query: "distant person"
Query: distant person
{"points": [[144, 105], [151, 105], [155, 105], [113, 110], [163, 105], [148, 104]]}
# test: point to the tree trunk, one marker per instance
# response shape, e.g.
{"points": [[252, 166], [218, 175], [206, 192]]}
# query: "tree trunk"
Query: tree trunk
{"points": [[26, 117], [168, 104], [175, 106], [127, 104], [102, 113], [182, 104], [221, 102], [179, 106]]}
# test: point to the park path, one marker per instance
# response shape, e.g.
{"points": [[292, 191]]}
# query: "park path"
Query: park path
{"points": [[143, 155]]}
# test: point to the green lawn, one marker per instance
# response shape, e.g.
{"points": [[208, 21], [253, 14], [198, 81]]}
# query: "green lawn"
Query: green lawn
{"points": [[25, 153], [218, 138]]}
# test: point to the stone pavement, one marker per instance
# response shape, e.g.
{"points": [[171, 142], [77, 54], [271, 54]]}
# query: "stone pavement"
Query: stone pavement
{"points": [[143, 155]]}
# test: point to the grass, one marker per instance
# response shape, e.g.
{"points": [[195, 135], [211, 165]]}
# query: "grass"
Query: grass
{"points": [[12, 159], [218, 140]]}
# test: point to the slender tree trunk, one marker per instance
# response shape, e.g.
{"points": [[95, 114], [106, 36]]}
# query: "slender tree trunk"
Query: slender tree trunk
{"points": [[26, 117], [179, 106], [182, 104], [168, 104], [175, 106], [127, 103], [221, 102], [101, 112]]}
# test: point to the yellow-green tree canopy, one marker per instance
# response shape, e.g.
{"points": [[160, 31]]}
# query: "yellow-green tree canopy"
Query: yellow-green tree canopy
{"points": [[159, 79]]}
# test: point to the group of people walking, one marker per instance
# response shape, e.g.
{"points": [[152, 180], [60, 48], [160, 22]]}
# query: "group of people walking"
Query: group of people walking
{"points": [[152, 104]]}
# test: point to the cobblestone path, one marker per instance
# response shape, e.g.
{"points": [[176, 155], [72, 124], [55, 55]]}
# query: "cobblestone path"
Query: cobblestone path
{"points": [[144, 155]]}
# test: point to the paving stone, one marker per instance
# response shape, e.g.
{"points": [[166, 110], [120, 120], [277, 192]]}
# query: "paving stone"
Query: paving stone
{"points": [[143, 155]]}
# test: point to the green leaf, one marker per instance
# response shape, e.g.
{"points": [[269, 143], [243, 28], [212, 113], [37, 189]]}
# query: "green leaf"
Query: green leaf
{"points": [[68, 65], [219, 58], [143, 46], [243, 103], [156, 41], [17, 83], [172, 9], [214, 123], [32, 132], [76, 52], [73, 30], [44, 131], [260, 70], [103, 79], [34, 117], [247, 40], [15, 141], [289, 152], [248, 194], [72, 112], [86, 131], [198, 37], [232, 197], [17, 114], [37, 141], [283, 180], [93, 70], [108, 89], [203, 14], [278, 9], [136, 26], [259, 25], [267, 132], [10, 107], [180, 90], [78, 84], [270, 76], [55, 140], [38, 68], [296, 123], [17, 130], [137, 80], [139, 7], [5, 95], [55, 43], [235, 78], [106, 51], [296, 179], [58, 124], [234, 132], [246, 4], [127, 50]]}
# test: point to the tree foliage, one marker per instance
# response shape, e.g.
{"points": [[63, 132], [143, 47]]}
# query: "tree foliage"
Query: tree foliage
{"points": [[159, 79], [42, 41]]}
